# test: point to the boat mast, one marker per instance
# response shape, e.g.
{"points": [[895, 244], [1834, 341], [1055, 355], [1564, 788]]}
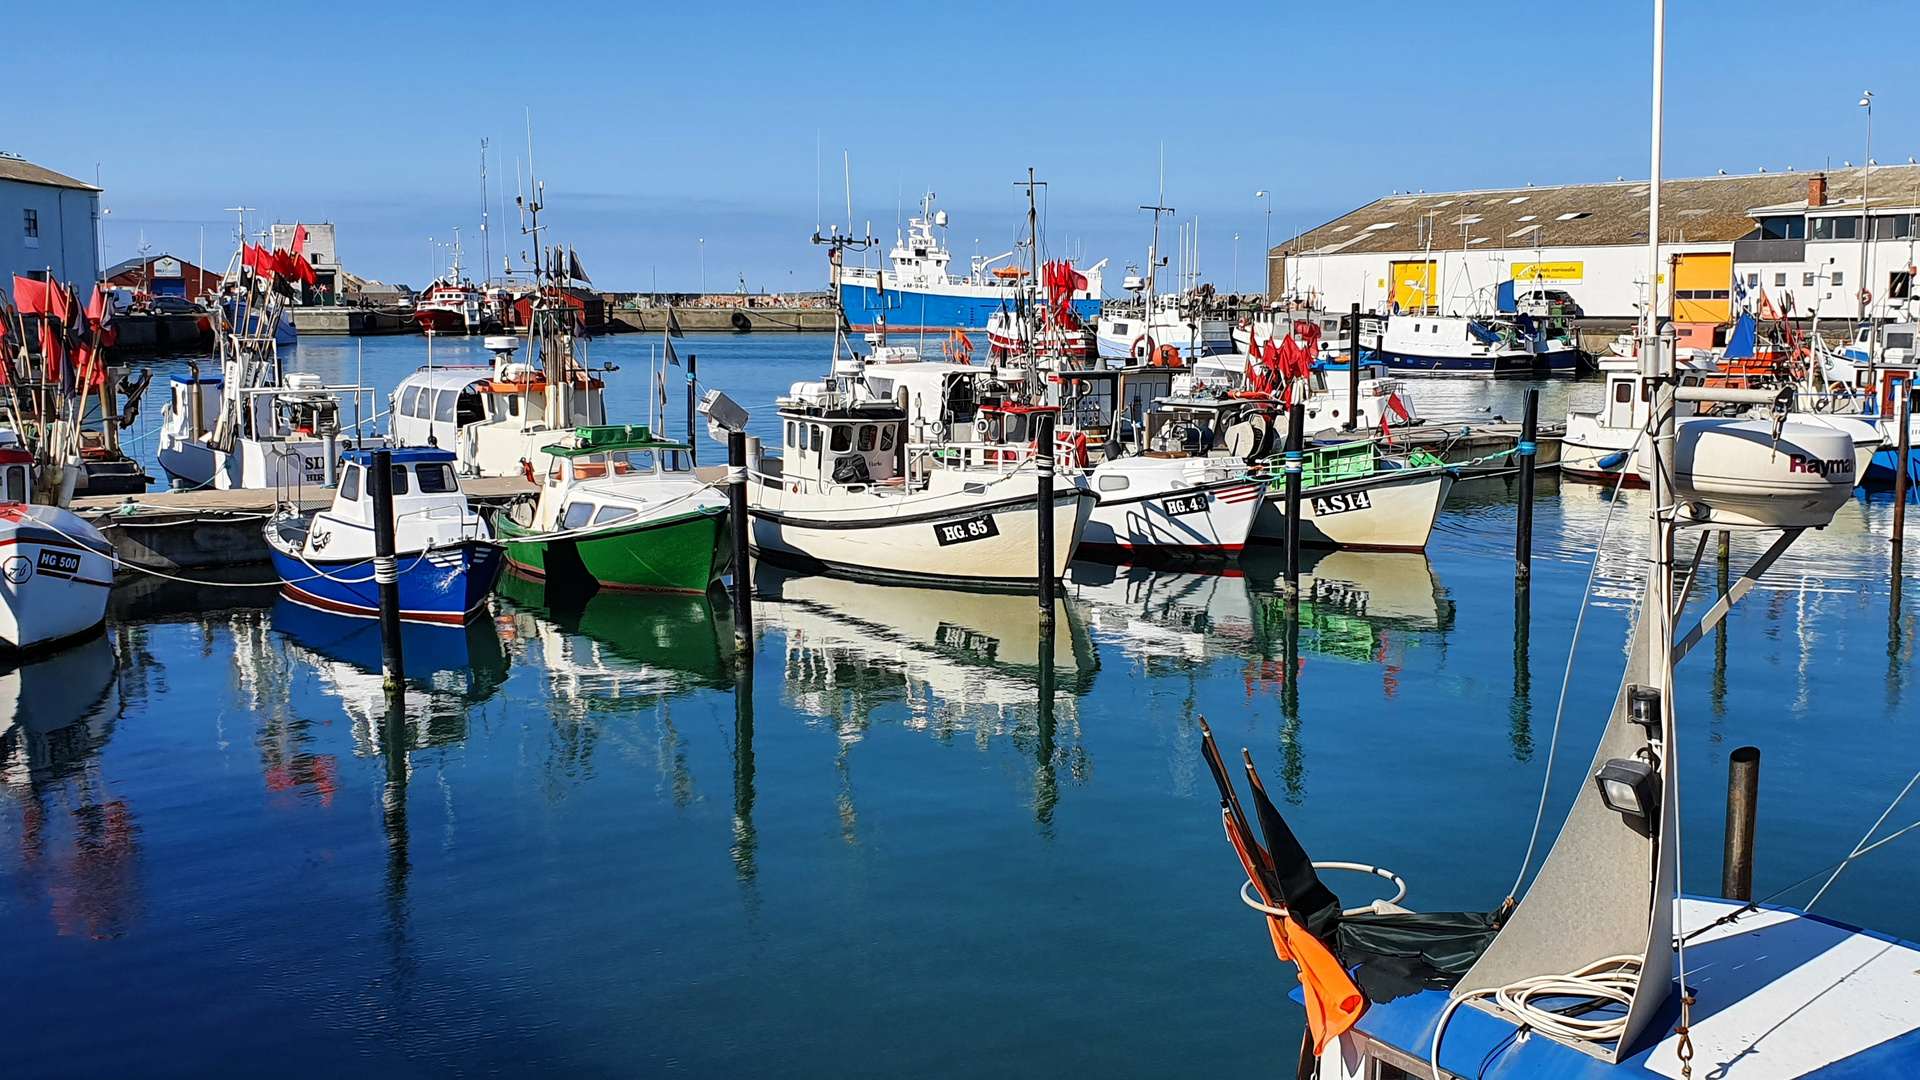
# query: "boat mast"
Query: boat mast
{"points": [[1033, 282]]}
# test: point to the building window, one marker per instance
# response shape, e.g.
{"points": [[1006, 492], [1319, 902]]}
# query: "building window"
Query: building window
{"points": [[1783, 228], [1839, 278], [1780, 280], [32, 223], [1892, 226], [1835, 228], [1753, 281], [1806, 281]]}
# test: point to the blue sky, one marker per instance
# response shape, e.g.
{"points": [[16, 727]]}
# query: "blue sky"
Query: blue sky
{"points": [[657, 125]]}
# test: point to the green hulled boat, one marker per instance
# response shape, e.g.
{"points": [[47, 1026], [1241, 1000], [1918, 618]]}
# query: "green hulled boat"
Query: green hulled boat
{"points": [[619, 509]]}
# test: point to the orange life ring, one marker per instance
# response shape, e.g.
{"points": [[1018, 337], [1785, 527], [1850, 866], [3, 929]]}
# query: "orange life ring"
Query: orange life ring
{"points": [[1866, 295], [1133, 350]]}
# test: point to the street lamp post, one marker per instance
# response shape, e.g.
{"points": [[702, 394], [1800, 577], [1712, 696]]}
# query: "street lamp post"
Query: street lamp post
{"points": [[703, 266], [1866, 217], [1263, 193], [1236, 265]]}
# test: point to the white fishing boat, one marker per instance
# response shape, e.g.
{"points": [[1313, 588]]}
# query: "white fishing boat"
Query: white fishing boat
{"points": [[499, 419], [1602, 968], [1178, 327], [255, 425], [850, 494], [55, 569]]}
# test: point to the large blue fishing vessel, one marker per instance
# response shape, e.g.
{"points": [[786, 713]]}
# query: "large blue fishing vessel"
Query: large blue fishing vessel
{"points": [[917, 293]]}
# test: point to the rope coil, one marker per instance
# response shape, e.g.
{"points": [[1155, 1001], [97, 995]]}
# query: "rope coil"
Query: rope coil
{"points": [[386, 570]]}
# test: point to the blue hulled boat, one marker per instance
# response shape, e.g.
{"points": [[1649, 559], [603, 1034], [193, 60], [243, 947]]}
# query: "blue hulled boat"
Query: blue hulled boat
{"points": [[447, 559]]}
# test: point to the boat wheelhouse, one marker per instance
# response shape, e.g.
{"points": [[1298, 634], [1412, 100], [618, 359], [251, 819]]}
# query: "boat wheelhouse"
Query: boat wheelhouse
{"points": [[498, 419]]}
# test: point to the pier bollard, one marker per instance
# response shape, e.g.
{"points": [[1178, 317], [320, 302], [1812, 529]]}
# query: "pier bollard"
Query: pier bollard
{"points": [[1043, 442], [742, 557], [386, 573], [1900, 473], [330, 467], [1353, 368], [1296, 435], [1528, 454], [1743, 807]]}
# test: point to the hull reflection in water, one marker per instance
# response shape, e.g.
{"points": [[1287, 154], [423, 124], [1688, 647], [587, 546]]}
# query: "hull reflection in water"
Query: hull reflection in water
{"points": [[634, 647], [450, 669], [78, 849], [1161, 617], [962, 662], [1369, 606]]}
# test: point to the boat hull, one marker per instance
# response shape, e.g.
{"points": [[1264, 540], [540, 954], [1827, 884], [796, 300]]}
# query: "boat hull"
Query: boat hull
{"points": [[685, 553], [1518, 365], [1201, 521], [950, 538], [438, 585], [908, 310], [55, 574], [443, 321], [1390, 510]]}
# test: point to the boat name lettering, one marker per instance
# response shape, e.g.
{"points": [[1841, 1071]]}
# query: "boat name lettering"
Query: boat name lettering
{"points": [[1327, 505], [1801, 463], [961, 532], [1186, 504], [320, 539], [59, 563]]}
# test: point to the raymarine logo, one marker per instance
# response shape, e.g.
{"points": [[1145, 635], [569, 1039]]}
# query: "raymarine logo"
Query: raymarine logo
{"points": [[1828, 467]]}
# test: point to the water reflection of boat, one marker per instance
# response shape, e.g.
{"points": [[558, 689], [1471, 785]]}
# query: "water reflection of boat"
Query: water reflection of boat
{"points": [[1356, 605], [1164, 616], [457, 667], [618, 646], [960, 661], [55, 713], [77, 846]]}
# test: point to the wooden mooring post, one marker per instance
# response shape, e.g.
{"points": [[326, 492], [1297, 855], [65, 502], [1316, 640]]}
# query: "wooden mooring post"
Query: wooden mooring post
{"points": [[1743, 808], [1527, 453]]}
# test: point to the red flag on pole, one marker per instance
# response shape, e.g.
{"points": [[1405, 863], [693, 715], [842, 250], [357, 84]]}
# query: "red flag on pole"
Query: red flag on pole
{"points": [[29, 296], [299, 239]]}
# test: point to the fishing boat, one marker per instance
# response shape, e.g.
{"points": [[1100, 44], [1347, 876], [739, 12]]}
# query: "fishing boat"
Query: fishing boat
{"points": [[500, 418], [851, 494], [619, 508], [1185, 324], [453, 304], [445, 556], [919, 293], [55, 569], [1479, 345], [1602, 967], [256, 425]]}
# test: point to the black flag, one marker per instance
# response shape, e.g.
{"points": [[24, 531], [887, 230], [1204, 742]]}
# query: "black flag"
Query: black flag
{"points": [[575, 270]]}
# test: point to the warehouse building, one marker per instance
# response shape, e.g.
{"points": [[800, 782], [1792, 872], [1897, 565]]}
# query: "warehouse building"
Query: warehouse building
{"points": [[1797, 237], [49, 225]]}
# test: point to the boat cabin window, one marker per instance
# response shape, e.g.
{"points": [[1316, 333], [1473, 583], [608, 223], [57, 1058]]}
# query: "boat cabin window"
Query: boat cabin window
{"points": [[443, 405], [613, 513], [886, 437], [513, 404], [16, 483], [789, 433], [436, 478], [817, 436], [350, 484], [1899, 340], [1113, 483], [577, 515], [1623, 391], [409, 400], [842, 438], [399, 479], [866, 437]]}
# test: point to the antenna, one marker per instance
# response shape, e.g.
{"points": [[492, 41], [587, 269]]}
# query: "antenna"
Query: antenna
{"points": [[847, 160], [486, 246], [816, 179]]}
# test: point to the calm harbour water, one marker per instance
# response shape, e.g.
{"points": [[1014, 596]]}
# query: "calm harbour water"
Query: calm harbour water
{"points": [[594, 855]]}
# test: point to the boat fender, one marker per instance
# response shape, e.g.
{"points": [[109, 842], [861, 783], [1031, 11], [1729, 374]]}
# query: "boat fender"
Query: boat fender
{"points": [[1613, 460], [526, 470], [741, 322]]}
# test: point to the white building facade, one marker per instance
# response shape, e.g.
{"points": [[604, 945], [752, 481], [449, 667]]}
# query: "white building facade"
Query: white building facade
{"points": [[49, 226]]}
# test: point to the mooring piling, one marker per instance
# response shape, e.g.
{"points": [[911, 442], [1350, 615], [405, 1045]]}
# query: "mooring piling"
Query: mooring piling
{"points": [[693, 408], [386, 573], [742, 556], [1528, 454], [1353, 368], [1900, 472], [1296, 425], [1043, 443], [1743, 807]]}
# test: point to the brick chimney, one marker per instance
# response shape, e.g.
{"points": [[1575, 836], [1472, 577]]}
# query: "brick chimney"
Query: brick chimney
{"points": [[1817, 190]]}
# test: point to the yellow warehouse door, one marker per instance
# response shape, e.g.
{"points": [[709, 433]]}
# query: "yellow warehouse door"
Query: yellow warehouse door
{"points": [[1414, 287], [1703, 289]]}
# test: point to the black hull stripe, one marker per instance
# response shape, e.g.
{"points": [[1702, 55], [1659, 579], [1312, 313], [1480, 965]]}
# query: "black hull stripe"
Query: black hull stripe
{"points": [[1178, 493]]}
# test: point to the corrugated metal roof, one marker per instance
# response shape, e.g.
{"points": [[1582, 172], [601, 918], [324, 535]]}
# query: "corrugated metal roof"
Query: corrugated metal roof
{"points": [[28, 173], [1710, 209]]}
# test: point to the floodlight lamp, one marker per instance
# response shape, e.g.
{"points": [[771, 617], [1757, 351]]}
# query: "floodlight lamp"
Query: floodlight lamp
{"points": [[1631, 788]]}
